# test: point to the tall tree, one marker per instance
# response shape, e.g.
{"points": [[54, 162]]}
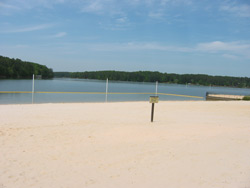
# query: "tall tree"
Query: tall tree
{"points": [[16, 68]]}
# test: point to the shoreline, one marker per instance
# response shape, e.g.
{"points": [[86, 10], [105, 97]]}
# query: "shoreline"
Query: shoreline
{"points": [[198, 144], [123, 102], [98, 102]]}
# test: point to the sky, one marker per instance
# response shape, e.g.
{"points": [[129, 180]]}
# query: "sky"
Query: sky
{"points": [[174, 36]]}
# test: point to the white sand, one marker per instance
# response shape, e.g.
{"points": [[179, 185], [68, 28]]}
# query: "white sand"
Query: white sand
{"points": [[190, 144]]}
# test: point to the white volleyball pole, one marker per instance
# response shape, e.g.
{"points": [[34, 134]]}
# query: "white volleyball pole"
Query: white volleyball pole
{"points": [[156, 88], [33, 88], [107, 82]]}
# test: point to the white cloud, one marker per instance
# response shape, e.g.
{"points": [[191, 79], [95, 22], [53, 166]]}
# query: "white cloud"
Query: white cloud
{"points": [[59, 35], [156, 15], [21, 46], [119, 22], [122, 20], [7, 9], [217, 46], [28, 29], [94, 6], [230, 50], [230, 56], [181, 2], [162, 2], [226, 49], [131, 46], [154, 7], [239, 10], [107, 7], [8, 6], [22, 5]]}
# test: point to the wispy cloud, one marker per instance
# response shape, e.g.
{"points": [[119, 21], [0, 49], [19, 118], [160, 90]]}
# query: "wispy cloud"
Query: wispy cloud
{"points": [[241, 10], [8, 6], [116, 23], [107, 7], [21, 5], [99, 6], [7, 9], [154, 9], [230, 50], [21, 46], [122, 20], [28, 29], [230, 56], [95, 6], [161, 3], [114, 6], [156, 15], [218, 46], [131, 46], [59, 35]]}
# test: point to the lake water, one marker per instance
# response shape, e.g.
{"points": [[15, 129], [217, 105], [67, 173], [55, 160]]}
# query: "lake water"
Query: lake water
{"points": [[83, 85]]}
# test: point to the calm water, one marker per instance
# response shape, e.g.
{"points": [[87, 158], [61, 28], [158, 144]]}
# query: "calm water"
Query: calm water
{"points": [[82, 85]]}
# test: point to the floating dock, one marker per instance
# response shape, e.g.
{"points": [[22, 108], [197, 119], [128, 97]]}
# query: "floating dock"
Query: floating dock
{"points": [[223, 97]]}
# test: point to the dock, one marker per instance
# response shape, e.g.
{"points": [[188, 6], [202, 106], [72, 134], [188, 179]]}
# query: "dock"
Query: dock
{"points": [[223, 97]]}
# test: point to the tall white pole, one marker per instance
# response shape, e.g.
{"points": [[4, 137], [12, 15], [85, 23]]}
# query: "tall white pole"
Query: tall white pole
{"points": [[156, 88], [33, 88], [107, 82]]}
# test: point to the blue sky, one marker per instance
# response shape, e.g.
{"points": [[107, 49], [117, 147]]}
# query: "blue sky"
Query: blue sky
{"points": [[173, 36]]}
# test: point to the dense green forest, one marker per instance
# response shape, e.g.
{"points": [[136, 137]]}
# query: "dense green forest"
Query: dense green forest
{"points": [[16, 68], [148, 76]]}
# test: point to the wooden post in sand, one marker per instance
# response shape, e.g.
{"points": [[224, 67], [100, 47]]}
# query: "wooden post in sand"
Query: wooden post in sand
{"points": [[152, 112], [153, 100]]}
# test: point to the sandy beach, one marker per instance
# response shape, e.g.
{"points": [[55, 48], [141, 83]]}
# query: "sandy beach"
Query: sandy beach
{"points": [[196, 144]]}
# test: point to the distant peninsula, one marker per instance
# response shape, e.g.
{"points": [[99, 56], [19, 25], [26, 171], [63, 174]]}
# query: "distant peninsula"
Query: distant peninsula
{"points": [[149, 76], [18, 69]]}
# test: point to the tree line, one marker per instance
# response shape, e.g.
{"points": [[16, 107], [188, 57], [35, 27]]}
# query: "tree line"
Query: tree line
{"points": [[148, 76], [17, 69]]}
